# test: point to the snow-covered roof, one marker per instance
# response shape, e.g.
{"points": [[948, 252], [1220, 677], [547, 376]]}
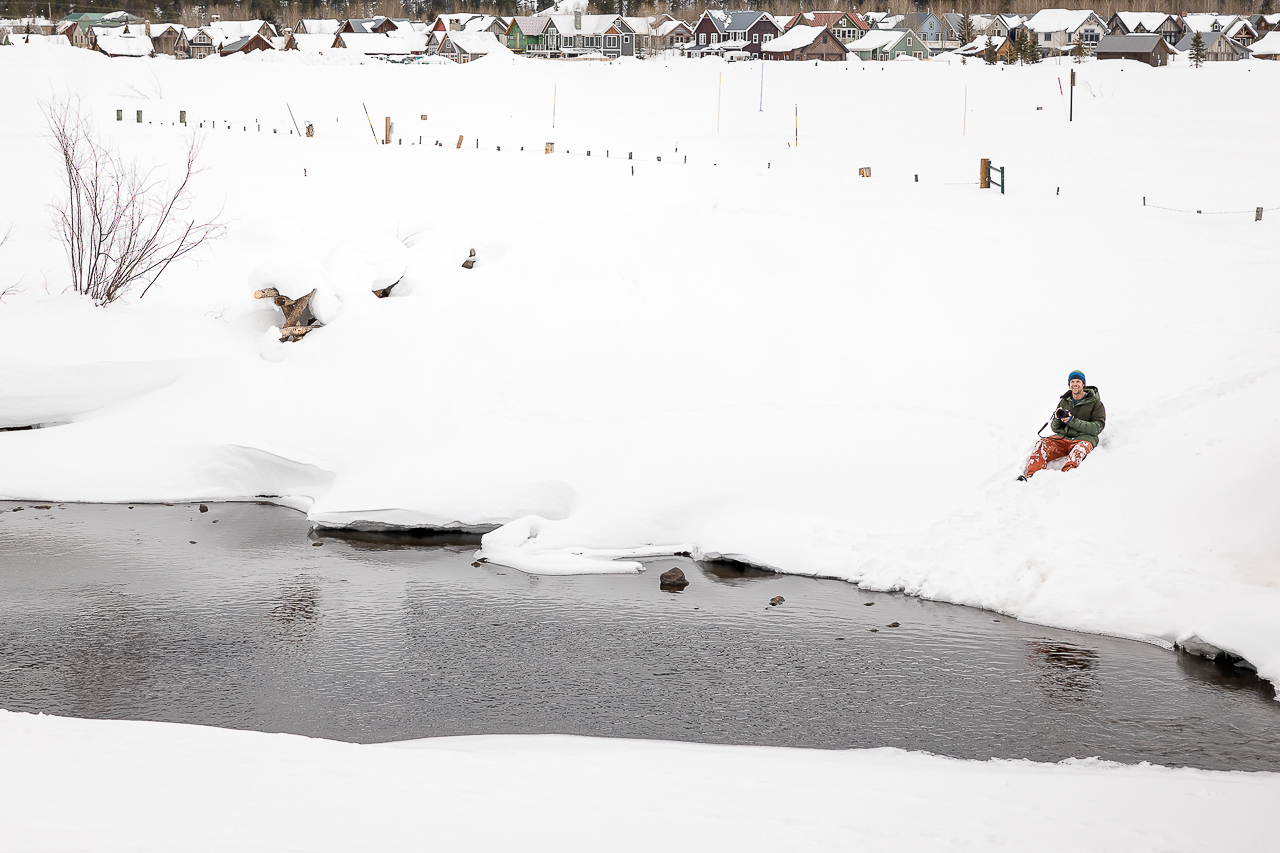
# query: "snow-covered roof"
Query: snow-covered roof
{"points": [[313, 42], [1210, 39], [236, 29], [978, 46], [237, 44], [1131, 43], [667, 27], [481, 43], [121, 45], [735, 22], [1150, 21], [373, 44], [319, 26], [1205, 23], [1059, 20], [160, 29], [796, 37], [876, 40], [531, 25], [889, 22], [1268, 45]]}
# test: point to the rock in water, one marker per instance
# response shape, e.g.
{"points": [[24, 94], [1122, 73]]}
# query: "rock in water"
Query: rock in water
{"points": [[673, 578], [893, 625], [776, 600], [203, 508]]}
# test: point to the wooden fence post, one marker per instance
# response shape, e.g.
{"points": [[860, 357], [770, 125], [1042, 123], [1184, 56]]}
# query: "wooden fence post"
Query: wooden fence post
{"points": [[387, 132], [984, 174], [1257, 216]]}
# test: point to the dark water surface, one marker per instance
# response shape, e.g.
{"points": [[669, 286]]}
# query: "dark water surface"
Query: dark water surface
{"points": [[111, 612]]}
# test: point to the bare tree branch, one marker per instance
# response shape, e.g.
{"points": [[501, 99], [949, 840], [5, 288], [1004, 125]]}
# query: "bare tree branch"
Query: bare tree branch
{"points": [[120, 226]]}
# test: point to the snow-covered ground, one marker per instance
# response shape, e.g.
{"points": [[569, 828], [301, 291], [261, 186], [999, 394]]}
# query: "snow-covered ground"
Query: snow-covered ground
{"points": [[755, 353], [111, 785]]}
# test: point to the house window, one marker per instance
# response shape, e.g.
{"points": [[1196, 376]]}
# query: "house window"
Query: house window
{"points": [[755, 38], [626, 39], [702, 38], [611, 41], [917, 55], [715, 38]]}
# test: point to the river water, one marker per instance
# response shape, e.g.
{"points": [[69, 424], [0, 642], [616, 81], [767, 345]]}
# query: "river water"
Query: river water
{"points": [[236, 618]]}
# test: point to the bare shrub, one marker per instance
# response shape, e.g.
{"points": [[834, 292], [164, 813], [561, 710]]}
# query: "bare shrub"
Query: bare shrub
{"points": [[120, 225]]}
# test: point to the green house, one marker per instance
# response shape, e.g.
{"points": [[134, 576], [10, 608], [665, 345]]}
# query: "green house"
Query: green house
{"points": [[528, 35], [885, 45]]}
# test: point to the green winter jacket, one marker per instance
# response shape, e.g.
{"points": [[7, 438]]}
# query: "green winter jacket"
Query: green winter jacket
{"points": [[1088, 416]]}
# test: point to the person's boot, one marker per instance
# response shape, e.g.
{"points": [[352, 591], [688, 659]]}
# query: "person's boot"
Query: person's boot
{"points": [[1022, 478]]}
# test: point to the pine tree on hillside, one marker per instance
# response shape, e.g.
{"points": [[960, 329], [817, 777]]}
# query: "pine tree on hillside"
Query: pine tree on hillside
{"points": [[1078, 53], [966, 29], [989, 51], [1265, 8], [1198, 51]]}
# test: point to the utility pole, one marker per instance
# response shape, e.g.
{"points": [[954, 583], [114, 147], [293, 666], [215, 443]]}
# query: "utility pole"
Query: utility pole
{"points": [[1071, 110]]}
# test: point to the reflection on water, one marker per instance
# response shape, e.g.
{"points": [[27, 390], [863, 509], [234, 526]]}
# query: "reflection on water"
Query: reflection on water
{"points": [[112, 613], [1063, 670]]}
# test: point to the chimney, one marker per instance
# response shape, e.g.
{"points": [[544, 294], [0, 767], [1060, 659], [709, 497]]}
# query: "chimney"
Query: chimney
{"points": [[577, 20], [288, 31], [213, 19]]}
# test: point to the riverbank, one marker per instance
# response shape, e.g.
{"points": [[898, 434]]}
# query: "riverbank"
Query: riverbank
{"points": [[698, 360]]}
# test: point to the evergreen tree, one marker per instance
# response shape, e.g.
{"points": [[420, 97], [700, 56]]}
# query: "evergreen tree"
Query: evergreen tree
{"points": [[989, 51], [1033, 49], [1078, 52], [1266, 7], [1198, 51], [966, 28]]}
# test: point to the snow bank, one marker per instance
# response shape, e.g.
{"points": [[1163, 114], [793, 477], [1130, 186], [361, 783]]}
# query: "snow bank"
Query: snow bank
{"points": [[696, 356], [111, 785]]}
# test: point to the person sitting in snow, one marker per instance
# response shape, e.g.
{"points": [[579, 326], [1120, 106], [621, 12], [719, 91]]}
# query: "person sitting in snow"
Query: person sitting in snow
{"points": [[1076, 422]]}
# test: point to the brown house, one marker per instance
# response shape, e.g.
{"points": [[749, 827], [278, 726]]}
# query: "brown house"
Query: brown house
{"points": [[806, 43], [248, 44], [1151, 49], [719, 30]]}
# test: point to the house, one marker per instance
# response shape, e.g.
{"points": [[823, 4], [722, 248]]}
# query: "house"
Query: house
{"points": [[73, 32], [929, 27], [527, 35], [245, 44], [1055, 31], [671, 34], [804, 43], [1218, 46], [1267, 47], [1170, 27], [164, 37], [579, 35], [884, 45], [1236, 28], [1150, 48], [381, 25], [465, 47], [1265, 23], [115, 44], [719, 30], [845, 26], [372, 44], [1006, 50]]}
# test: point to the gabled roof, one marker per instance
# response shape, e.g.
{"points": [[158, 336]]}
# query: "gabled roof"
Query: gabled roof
{"points": [[532, 26], [1210, 39], [481, 43], [1060, 20], [877, 40], [1149, 21], [120, 45], [735, 22], [1268, 45], [821, 19], [319, 26], [798, 36], [915, 20], [233, 46], [1131, 43], [312, 42], [978, 46]]}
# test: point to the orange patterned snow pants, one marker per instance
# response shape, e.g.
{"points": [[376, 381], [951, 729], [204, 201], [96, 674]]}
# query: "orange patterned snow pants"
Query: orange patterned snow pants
{"points": [[1054, 447]]}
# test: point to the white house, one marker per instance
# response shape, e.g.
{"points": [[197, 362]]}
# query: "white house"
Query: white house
{"points": [[1056, 30]]}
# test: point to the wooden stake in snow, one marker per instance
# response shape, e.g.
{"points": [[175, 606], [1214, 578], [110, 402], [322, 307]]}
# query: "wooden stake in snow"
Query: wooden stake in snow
{"points": [[370, 120], [1257, 216], [119, 115], [459, 141], [553, 108], [386, 130], [470, 261], [551, 148], [719, 90]]}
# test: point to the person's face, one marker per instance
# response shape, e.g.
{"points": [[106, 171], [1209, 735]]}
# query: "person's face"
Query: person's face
{"points": [[1077, 388]]}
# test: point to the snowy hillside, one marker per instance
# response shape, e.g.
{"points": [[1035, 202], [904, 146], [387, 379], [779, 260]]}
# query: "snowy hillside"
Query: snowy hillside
{"points": [[754, 353]]}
